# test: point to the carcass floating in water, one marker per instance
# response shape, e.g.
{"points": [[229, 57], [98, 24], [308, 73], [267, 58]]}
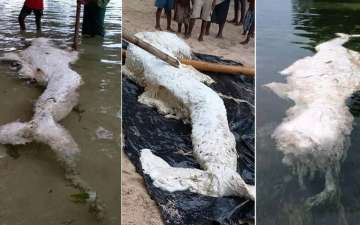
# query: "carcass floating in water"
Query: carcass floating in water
{"points": [[314, 135], [180, 93], [49, 67]]}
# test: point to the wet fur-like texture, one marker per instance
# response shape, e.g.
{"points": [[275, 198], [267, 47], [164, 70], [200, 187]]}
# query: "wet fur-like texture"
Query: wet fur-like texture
{"points": [[314, 136], [181, 93]]}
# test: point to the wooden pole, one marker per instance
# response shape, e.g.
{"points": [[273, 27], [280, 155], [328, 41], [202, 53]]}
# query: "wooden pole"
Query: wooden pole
{"points": [[214, 67], [149, 48], [219, 68], [77, 26]]}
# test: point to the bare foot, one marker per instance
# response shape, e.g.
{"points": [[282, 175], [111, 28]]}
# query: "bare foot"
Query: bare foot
{"points": [[219, 36], [170, 30], [207, 33], [158, 28], [201, 38], [187, 36], [232, 21], [244, 42], [238, 23]]}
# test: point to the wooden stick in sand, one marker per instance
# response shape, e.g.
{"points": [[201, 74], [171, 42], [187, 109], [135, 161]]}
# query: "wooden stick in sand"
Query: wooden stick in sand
{"points": [[77, 26]]}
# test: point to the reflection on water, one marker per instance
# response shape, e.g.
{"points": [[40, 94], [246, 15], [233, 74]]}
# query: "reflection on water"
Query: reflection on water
{"points": [[32, 186], [286, 32]]}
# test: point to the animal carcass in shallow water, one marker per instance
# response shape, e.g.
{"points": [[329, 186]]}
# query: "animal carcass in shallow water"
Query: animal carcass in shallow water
{"points": [[49, 66], [180, 92], [314, 135]]}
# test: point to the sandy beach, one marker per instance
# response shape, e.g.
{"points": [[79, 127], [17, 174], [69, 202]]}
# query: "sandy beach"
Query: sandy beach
{"points": [[137, 207], [139, 15]]}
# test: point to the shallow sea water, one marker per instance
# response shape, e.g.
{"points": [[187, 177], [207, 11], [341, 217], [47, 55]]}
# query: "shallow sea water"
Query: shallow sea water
{"points": [[32, 185]]}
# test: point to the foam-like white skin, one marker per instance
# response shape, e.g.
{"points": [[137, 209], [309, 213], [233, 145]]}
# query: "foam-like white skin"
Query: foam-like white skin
{"points": [[314, 134], [49, 67], [314, 131], [180, 91]]}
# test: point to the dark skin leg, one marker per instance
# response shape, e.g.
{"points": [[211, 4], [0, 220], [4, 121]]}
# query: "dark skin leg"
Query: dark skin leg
{"points": [[202, 32], [179, 27], [250, 34], [168, 18], [158, 15], [208, 26], [243, 7], [22, 23], [221, 28], [38, 21], [236, 12], [191, 26], [186, 28]]}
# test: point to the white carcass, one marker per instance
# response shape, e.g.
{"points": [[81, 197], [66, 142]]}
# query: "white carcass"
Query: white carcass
{"points": [[180, 93], [49, 66], [314, 135]]}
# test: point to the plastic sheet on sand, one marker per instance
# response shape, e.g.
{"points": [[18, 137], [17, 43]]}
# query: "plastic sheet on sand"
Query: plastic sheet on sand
{"points": [[144, 127]]}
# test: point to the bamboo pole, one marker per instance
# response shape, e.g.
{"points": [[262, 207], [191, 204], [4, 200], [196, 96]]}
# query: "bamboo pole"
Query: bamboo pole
{"points": [[77, 26], [214, 67], [149, 48], [219, 68]]}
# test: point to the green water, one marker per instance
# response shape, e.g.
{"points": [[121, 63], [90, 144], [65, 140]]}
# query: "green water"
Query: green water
{"points": [[287, 31], [32, 186]]}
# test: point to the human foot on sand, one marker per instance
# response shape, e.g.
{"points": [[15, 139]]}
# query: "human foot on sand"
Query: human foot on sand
{"points": [[158, 28], [232, 21], [170, 30], [245, 42]]}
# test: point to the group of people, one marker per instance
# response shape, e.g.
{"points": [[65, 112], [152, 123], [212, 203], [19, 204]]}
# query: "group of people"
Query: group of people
{"points": [[209, 11], [93, 18]]}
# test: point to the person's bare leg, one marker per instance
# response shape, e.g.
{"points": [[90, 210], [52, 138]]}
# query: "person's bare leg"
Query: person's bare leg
{"points": [[208, 26], [179, 27], [202, 32], [243, 8], [158, 15], [221, 28], [191, 26], [236, 12], [38, 20], [168, 20], [22, 23], [186, 28], [246, 40]]}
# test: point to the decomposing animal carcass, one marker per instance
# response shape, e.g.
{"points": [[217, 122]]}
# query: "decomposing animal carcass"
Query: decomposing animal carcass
{"points": [[49, 66], [314, 135], [181, 93]]}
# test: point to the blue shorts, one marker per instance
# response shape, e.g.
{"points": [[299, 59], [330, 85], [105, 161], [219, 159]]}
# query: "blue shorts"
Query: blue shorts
{"points": [[164, 4]]}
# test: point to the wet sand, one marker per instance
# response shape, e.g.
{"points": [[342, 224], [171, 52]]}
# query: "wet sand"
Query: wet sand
{"points": [[138, 208]]}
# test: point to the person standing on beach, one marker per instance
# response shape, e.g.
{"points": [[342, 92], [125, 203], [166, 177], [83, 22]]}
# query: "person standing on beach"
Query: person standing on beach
{"points": [[201, 9], [36, 6], [167, 5], [242, 5], [182, 14], [219, 16], [249, 22]]}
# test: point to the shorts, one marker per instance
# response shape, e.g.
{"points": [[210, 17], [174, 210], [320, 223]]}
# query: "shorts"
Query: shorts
{"points": [[25, 11], [202, 9], [165, 4]]}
